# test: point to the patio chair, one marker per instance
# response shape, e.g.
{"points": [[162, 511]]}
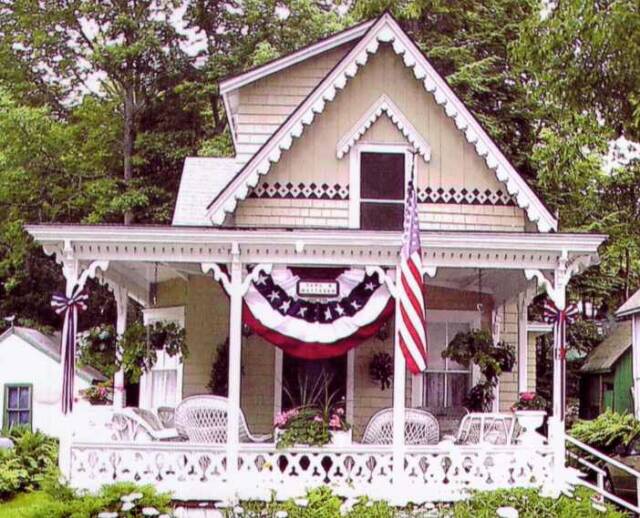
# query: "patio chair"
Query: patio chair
{"points": [[204, 419], [138, 424], [449, 418], [488, 428], [420, 427]]}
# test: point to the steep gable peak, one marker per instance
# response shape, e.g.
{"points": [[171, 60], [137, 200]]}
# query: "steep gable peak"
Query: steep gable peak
{"points": [[385, 30]]}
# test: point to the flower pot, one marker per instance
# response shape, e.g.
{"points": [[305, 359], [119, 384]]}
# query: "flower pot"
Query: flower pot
{"points": [[340, 437], [530, 421]]}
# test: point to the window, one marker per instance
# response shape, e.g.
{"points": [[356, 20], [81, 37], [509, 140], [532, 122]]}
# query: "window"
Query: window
{"points": [[163, 387], [17, 405], [446, 382], [382, 190]]}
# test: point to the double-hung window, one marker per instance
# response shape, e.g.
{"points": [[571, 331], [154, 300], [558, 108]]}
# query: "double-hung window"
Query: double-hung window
{"points": [[446, 382], [17, 405], [382, 190]]}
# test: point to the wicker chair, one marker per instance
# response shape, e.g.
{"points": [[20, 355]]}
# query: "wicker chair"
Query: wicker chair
{"points": [[204, 419], [167, 415], [420, 428], [449, 418], [489, 428], [138, 424]]}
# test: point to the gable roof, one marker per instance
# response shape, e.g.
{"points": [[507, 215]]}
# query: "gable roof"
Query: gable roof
{"points": [[631, 306], [202, 179], [605, 355], [271, 67], [384, 30], [49, 346]]}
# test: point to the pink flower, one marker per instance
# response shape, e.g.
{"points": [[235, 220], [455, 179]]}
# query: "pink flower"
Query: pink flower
{"points": [[317, 419], [528, 396], [335, 422], [340, 411]]}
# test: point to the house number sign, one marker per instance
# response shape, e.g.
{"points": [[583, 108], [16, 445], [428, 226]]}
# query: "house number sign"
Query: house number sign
{"points": [[318, 288]]}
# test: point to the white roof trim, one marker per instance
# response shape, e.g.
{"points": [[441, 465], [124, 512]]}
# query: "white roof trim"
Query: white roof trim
{"points": [[384, 105], [331, 42], [385, 30]]}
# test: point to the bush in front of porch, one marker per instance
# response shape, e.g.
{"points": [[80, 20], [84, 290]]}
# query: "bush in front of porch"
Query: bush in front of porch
{"points": [[321, 503]]}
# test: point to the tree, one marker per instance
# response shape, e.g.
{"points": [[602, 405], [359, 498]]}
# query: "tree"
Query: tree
{"points": [[584, 56], [124, 45]]}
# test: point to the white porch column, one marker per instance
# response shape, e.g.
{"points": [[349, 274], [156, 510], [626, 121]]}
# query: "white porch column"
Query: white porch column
{"points": [[635, 341], [399, 371], [523, 344], [235, 356], [121, 295]]}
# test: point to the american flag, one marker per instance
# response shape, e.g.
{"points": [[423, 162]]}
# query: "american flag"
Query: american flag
{"points": [[411, 322]]}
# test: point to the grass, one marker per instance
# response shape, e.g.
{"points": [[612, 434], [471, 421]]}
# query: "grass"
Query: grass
{"points": [[18, 506]]}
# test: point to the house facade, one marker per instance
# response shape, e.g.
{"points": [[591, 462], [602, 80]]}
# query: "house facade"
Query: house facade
{"points": [[327, 140], [30, 379]]}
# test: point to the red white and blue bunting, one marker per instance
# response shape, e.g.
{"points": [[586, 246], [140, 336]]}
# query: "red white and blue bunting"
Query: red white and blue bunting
{"points": [[69, 307], [313, 329]]}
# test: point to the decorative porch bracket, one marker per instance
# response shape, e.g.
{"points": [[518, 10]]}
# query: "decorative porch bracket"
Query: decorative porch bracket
{"points": [[556, 291], [236, 287]]}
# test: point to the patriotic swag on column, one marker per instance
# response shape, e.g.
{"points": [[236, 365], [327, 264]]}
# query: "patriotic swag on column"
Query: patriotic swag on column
{"points": [[69, 307]]}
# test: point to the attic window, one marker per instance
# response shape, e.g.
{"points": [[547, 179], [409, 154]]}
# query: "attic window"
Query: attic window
{"points": [[382, 188]]}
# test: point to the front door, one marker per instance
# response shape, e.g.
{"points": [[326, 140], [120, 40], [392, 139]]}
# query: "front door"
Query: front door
{"points": [[313, 382]]}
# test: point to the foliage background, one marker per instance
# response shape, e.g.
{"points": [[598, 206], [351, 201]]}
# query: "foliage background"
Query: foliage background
{"points": [[100, 102]]}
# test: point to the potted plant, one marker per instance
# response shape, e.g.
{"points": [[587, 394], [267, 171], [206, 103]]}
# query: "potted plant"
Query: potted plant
{"points": [[478, 348], [300, 427], [339, 428], [99, 394], [530, 413]]}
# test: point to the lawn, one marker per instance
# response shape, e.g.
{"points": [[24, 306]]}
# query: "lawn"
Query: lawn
{"points": [[18, 506]]}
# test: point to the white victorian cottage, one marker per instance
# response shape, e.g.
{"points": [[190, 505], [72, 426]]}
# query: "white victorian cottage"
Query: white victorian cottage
{"points": [[311, 206]]}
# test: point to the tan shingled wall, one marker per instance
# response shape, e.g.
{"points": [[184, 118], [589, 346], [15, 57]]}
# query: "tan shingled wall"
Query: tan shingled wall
{"points": [[531, 361], [509, 333]]}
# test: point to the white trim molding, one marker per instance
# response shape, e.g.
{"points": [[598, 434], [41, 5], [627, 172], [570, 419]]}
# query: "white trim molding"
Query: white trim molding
{"points": [[384, 105], [384, 30]]}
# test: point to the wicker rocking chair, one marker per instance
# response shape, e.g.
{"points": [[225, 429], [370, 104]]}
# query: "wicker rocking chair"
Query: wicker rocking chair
{"points": [[138, 424], [488, 428], [420, 428], [204, 419]]}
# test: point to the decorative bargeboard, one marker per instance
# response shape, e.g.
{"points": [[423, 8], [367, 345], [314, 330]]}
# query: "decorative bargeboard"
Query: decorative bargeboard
{"points": [[444, 472]]}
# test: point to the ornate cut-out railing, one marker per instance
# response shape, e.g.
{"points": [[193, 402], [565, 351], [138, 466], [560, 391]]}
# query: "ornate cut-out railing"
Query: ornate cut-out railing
{"points": [[198, 472]]}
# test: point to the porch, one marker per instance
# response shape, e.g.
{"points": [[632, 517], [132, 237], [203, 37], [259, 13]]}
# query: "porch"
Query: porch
{"points": [[493, 269]]}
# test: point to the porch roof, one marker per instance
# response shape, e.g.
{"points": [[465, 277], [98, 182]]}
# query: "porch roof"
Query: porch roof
{"points": [[516, 250]]}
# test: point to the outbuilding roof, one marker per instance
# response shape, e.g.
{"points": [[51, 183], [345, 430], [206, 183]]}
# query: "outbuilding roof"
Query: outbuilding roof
{"points": [[50, 346], [202, 180], [631, 306], [603, 357]]}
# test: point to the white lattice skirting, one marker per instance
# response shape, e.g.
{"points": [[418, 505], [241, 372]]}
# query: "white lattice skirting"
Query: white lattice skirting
{"points": [[198, 472]]}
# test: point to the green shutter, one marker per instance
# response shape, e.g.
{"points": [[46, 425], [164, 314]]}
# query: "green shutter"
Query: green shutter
{"points": [[622, 383]]}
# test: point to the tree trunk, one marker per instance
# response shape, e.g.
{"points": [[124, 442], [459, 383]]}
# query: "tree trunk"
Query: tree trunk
{"points": [[127, 143]]}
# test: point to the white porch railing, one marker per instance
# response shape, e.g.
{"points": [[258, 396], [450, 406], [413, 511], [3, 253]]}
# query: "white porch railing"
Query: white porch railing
{"points": [[444, 472]]}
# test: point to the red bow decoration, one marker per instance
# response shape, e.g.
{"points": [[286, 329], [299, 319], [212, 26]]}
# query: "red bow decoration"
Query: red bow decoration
{"points": [[560, 317], [69, 307]]}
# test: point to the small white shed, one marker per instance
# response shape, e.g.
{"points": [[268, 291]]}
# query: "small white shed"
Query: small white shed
{"points": [[631, 309], [31, 378]]}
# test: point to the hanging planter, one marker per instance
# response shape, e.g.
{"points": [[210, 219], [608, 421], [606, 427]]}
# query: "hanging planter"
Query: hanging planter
{"points": [[140, 345]]}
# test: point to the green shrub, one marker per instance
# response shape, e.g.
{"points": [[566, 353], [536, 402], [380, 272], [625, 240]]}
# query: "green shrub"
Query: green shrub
{"points": [[23, 467], [530, 504], [109, 499], [608, 431]]}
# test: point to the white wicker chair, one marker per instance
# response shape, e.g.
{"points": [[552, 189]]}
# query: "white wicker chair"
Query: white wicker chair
{"points": [[420, 427], [489, 428], [137, 424], [204, 419]]}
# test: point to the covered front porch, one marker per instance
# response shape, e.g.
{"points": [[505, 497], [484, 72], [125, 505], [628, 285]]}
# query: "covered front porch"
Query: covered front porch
{"points": [[485, 279]]}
